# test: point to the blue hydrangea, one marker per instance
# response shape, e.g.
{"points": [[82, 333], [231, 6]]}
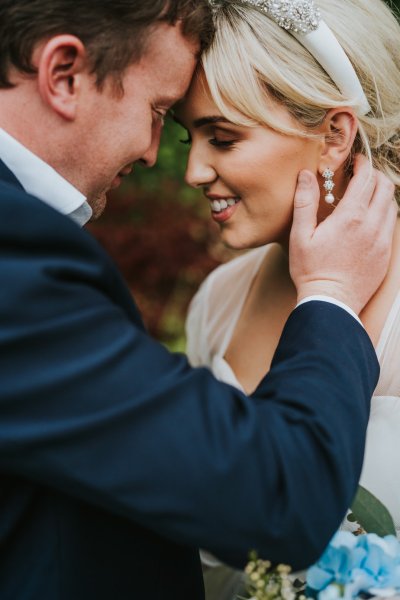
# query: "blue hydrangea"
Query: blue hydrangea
{"points": [[353, 564]]}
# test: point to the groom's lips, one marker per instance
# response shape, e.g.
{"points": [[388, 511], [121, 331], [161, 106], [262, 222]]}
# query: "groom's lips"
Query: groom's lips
{"points": [[116, 182], [123, 173], [126, 171]]}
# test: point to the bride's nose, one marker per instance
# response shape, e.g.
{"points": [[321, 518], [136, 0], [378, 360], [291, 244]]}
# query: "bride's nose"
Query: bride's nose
{"points": [[199, 171]]}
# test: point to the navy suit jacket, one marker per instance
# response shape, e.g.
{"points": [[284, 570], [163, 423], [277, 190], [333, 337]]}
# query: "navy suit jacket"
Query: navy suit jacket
{"points": [[118, 460]]}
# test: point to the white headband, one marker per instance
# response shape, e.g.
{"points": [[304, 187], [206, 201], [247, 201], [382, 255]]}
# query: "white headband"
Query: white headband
{"points": [[303, 20]]}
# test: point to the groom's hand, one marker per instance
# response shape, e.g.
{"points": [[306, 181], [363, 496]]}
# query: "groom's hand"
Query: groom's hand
{"points": [[347, 255]]}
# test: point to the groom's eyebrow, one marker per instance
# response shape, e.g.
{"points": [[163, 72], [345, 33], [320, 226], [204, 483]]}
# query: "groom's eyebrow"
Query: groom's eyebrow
{"points": [[168, 101]]}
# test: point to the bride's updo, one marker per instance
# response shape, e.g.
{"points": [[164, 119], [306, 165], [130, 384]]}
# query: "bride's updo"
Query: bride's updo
{"points": [[252, 60]]}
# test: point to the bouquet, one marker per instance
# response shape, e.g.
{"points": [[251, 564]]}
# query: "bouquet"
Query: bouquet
{"points": [[364, 564]]}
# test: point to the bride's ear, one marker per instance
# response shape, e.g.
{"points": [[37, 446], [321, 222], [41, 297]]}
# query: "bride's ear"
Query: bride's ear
{"points": [[340, 129]]}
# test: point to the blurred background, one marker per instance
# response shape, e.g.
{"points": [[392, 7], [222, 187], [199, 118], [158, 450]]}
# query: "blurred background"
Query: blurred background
{"points": [[160, 234]]}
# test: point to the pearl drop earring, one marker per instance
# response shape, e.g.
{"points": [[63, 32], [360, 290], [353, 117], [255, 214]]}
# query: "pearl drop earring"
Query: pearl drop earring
{"points": [[328, 185]]}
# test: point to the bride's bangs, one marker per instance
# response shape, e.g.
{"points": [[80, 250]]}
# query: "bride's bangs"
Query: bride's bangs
{"points": [[245, 77]]}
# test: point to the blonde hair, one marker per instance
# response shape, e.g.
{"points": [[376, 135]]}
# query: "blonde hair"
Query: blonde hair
{"points": [[252, 60]]}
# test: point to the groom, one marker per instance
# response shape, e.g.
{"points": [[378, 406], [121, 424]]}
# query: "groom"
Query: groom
{"points": [[117, 460]]}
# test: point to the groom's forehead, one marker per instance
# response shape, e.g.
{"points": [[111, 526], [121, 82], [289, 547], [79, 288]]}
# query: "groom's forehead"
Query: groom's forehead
{"points": [[169, 62]]}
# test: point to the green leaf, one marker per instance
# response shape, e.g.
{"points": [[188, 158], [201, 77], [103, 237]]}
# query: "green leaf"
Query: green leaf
{"points": [[350, 517], [371, 514]]}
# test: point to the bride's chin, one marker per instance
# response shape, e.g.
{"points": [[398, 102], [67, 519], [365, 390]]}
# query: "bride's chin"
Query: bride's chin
{"points": [[241, 244], [236, 238]]}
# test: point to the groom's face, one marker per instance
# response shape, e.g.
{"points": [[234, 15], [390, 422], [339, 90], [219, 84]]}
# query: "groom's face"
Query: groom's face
{"points": [[120, 130]]}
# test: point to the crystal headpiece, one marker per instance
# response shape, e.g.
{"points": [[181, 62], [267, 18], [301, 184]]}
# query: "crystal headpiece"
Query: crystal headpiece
{"points": [[297, 16], [303, 20]]}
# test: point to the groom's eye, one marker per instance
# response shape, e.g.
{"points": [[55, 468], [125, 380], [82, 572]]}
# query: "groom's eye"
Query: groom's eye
{"points": [[160, 114]]}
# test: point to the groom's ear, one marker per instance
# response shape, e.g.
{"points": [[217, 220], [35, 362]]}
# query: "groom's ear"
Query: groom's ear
{"points": [[340, 129], [61, 68]]}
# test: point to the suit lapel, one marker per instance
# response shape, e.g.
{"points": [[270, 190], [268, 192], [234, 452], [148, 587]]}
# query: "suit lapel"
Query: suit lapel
{"points": [[8, 177]]}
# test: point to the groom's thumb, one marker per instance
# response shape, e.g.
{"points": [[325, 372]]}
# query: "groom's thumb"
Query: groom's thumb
{"points": [[306, 201]]}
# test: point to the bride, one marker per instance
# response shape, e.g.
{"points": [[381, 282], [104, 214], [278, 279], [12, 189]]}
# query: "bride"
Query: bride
{"points": [[267, 102]]}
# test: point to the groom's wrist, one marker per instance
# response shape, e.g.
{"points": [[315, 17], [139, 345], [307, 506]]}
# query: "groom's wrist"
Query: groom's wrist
{"points": [[331, 300], [341, 290]]}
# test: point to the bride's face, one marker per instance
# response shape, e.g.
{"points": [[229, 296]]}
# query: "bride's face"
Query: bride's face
{"points": [[247, 174]]}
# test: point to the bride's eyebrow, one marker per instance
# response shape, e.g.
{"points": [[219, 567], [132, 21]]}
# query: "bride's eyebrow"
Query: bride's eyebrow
{"points": [[197, 123], [211, 120]]}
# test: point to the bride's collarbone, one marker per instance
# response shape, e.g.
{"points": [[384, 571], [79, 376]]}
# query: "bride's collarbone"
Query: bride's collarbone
{"points": [[269, 301]]}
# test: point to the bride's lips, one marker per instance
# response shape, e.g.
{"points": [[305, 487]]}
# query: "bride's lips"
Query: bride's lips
{"points": [[222, 207]]}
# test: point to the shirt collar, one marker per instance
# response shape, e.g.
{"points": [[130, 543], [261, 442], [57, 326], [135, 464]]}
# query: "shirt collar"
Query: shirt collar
{"points": [[40, 180]]}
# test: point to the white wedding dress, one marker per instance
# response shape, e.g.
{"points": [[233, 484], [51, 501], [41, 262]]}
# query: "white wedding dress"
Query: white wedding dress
{"points": [[212, 317]]}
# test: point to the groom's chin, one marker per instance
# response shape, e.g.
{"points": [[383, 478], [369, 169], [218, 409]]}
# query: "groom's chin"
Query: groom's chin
{"points": [[97, 204]]}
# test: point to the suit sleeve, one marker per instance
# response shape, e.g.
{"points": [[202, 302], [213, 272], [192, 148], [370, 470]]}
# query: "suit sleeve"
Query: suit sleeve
{"points": [[92, 406]]}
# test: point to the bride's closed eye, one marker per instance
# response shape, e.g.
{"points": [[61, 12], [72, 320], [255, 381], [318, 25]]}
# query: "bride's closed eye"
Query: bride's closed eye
{"points": [[218, 137], [223, 138], [188, 141], [213, 141], [222, 143]]}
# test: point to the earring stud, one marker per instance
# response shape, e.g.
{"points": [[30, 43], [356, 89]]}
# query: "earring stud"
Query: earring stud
{"points": [[328, 185]]}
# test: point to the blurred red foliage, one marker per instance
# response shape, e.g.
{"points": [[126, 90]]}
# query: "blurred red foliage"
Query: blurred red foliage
{"points": [[164, 248]]}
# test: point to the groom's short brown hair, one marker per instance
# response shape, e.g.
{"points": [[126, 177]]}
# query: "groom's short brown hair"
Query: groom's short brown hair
{"points": [[113, 31]]}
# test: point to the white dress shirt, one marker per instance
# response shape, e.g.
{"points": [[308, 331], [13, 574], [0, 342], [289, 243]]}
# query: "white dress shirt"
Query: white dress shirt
{"points": [[40, 180]]}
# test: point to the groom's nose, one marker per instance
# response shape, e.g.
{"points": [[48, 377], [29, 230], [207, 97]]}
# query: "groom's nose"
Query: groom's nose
{"points": [[149, 158]]}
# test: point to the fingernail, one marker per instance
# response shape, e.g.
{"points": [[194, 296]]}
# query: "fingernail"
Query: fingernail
{"points": [[304, 178]]}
